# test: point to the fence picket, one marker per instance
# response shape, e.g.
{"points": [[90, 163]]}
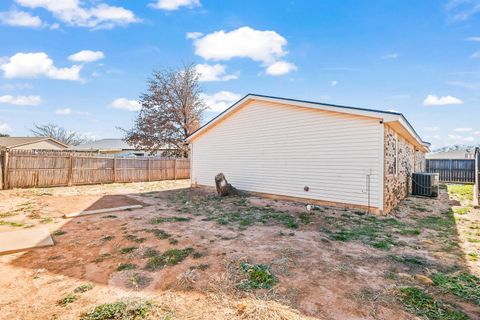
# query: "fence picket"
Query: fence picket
{"points": [[449, 170]]}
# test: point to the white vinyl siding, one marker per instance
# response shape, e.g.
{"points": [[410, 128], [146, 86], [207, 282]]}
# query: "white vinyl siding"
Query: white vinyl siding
{"points": [[279, 149]]}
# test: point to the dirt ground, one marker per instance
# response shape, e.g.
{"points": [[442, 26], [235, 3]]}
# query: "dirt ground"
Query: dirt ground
{"points": [[327, 263]]}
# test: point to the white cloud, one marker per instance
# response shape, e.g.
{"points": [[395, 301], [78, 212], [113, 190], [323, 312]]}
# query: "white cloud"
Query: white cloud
{"points": [[15, 86], [267, 47], [393, 110], [477, 133], [432, 100], [64, 111], [86, 56], [5, 128], [245, 42], [475, 55], [21, 100], [221, 100], [473, 39], [333, 83], [33, 65], [171, 5], [463, 129], [125, 104], [20, 19], [193, 35], [72, 12], [214, 72], [393, 55], [460, 10], [280, 68]]}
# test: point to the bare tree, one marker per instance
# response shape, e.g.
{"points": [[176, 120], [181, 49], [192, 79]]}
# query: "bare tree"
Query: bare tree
{"points": [[171, 110], [58, 133]]}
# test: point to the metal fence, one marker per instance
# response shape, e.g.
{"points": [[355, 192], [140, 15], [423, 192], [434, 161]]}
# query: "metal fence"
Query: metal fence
{"points": [[24, 169], [460, 171]]}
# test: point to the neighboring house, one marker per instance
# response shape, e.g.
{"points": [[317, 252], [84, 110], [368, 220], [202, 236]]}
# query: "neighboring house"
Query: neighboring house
{"points": [[297, 150], [116, 147], [31, 143], [452, 155]]}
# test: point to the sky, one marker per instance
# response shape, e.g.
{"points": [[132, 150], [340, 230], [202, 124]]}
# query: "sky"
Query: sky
{"points": [[83, 64]]}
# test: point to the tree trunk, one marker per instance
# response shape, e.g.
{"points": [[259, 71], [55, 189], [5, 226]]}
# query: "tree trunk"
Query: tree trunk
{"points": [[223, 187]]}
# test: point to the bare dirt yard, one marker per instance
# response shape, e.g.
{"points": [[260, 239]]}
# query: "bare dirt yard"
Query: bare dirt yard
{"points": [[189, 254]]}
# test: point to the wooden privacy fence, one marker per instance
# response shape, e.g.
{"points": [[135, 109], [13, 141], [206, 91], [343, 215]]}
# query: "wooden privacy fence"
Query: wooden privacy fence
{"points": [[24, 169], [462, 171]]}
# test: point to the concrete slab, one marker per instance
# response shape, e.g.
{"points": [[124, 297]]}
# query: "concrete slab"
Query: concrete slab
{"points": [[16, 241], [89, 212]]}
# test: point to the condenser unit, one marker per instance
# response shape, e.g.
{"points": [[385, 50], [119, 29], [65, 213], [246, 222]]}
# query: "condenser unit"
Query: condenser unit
{"points": [[425, 184]]}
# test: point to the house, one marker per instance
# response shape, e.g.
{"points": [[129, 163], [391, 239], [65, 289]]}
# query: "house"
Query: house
{"points": [[308, 151], [452, 155], [116, 147], [31, 143]]}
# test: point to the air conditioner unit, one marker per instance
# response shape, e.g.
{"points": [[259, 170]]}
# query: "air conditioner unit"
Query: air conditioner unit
{"points": [[425, 184]]}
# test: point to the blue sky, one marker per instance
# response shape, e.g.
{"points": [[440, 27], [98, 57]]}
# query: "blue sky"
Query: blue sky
{"points": [[82, 64]]}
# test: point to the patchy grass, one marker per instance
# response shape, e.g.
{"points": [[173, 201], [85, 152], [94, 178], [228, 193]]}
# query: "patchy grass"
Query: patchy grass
{"points": [[127, 250], [158, 220], [464, 285], [462, 210], [134, 238], [168, 258], [83, 288], [59, 233], [107, 238], [69, 298], [160, 234], [461, 191], [13, 224], [126, 266], [138, 281], [120, 310], [422, 304], [438, 222], [259, 276]]}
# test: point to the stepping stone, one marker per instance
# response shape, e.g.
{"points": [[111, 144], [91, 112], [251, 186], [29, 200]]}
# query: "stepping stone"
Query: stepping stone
{"points": [[16, 241]]}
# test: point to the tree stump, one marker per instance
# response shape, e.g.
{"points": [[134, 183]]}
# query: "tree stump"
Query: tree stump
{"points": [[223, 187]]}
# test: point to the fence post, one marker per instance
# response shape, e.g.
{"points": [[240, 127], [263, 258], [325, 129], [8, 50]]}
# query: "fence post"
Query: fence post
{"points": [[5, 170], [70, 170], [148, 169], [114, 169], [175, 169]]}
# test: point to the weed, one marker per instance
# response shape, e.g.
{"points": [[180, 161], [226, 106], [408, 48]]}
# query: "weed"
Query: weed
{"points": [[422, 304], [46, 220], [83, 288], [198, 255], [160, 234], [127, 250], [202, 267], [12, 224], [150, 252], [410, 232], [473, 240], [107, 238], [473, 257], [259, 277], [102, 257], [462, 210], [304, 218], [69, 298], [126, 266], [138, 281], [110, 216], [383, 244], [134, 238], [120, 310], [168, 258], [159, 220], [464, 285], [173, 241], [409, 260], [59, 233]]}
